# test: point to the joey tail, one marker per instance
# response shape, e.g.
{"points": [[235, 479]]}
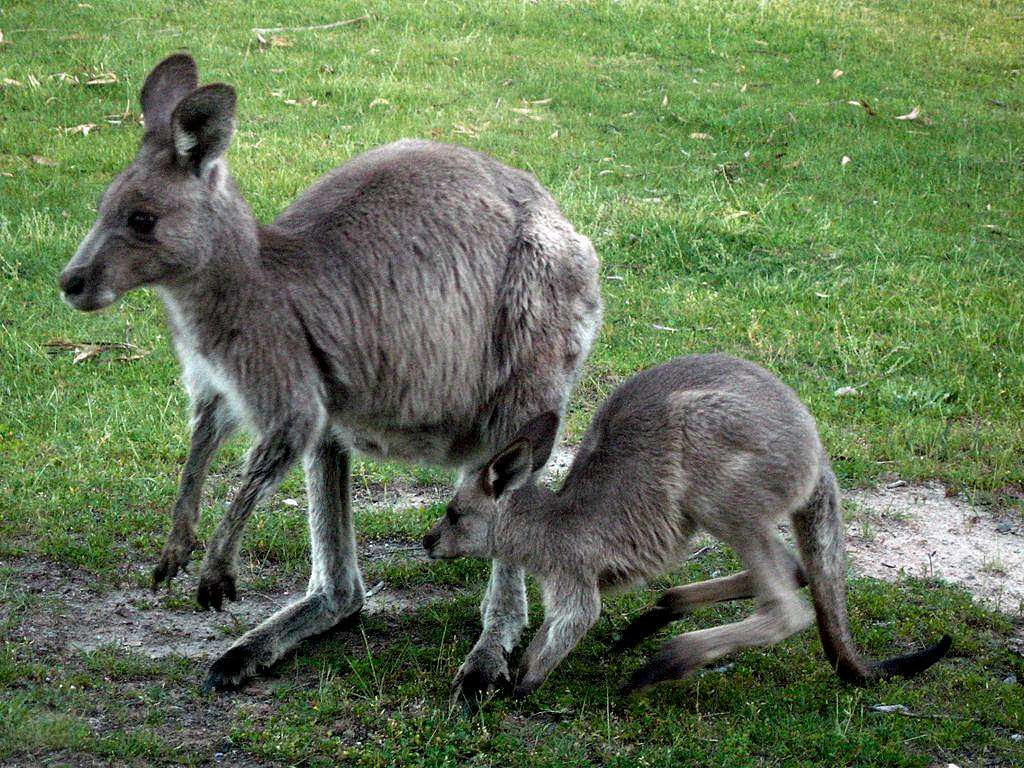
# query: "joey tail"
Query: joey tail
{"points": [[819, 533]]}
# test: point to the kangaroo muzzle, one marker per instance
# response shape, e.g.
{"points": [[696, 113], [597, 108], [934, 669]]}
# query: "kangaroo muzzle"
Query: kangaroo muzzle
{"points": [[82, 281]]}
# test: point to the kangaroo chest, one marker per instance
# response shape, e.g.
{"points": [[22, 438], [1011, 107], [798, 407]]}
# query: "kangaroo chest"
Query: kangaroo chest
{"points": [[203, 376]]}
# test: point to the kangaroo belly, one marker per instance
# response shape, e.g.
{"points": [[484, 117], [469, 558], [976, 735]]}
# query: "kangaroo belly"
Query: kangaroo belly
{"points": [[444, 445]]}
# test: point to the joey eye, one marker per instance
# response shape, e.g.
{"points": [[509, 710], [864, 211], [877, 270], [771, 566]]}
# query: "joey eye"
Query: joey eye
{"points": [[142, 223], [452, 515]]}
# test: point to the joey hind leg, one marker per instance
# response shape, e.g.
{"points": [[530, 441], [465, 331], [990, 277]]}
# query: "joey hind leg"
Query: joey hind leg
{"points": [[780, 612], [568, 615], [677, 601], [335, 592], [212, 424]]}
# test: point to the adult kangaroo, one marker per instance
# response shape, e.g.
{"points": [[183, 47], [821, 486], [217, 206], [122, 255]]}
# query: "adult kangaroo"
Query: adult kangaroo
{"points": [[421, 302]]}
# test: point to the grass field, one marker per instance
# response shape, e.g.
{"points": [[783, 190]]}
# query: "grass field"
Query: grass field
{"points": [[738, 201]]}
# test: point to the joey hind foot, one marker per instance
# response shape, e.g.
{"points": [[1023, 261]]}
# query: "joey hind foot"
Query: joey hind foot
{"points": [[483, 672], [216, 585], [174, 558], [643, 626], [674, 662], [526, 686]]}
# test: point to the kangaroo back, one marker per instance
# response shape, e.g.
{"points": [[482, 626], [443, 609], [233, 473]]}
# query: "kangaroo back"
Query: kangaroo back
{"points": [[819, 534]]}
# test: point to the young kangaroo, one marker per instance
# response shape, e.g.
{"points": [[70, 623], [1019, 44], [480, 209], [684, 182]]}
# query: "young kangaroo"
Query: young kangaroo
{"points": [[705, 442], [419, 303]]}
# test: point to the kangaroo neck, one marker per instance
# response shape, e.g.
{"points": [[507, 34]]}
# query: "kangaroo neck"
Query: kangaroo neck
{"points": [[530, 516]]}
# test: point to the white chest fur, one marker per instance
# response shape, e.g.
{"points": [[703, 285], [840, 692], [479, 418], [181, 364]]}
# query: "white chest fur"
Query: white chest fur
{"points": [[201, 375]]}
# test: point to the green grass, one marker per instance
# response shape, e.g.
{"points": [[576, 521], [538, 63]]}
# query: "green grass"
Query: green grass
{"points": [[700, 146]]}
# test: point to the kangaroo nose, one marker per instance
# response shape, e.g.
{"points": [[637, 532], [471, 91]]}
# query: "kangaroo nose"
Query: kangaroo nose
{"points": [[72, 283], [430, 540]]}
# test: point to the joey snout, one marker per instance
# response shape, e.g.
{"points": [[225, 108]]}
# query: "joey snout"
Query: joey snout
{"points": [[437, 544], [430, 540]]}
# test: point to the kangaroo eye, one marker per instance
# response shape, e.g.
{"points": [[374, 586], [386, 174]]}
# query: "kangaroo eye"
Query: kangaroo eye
{"points": [[452, 515], [142, 223]]}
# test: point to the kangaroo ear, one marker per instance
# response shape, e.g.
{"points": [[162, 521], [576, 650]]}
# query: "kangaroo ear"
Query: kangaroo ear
{"points": [[171, 80], [540, 432], [202, 125], [509, 470]]}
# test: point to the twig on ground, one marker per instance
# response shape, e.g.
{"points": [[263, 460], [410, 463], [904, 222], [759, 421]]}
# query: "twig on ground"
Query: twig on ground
{"points": [[258, 31], [86, 349]]}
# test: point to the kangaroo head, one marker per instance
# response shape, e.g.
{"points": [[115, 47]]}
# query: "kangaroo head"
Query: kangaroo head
{"points": [[467, 527], [163, 218]]}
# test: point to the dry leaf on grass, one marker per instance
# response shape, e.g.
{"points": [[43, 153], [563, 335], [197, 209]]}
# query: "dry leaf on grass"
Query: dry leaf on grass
{"points": [[845, 160], [378, 102], [837, 73], [101, 78], [87, 350], [700, 136], [40, 160], [83, 129], [911, 115], [271, 41], [12, 83], [540, 102], [665, 328], [466, 130], [863, 103]]}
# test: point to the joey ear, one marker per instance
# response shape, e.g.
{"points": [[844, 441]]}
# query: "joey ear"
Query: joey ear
{"points": [[509, 470], [540, 432], [171, 80], [202, 125]]}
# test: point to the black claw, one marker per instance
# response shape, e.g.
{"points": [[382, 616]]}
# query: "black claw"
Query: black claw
{"points": [[475, 685], [643, 626], [666, 665], [521, 692], [229, 671], [208, 597]]}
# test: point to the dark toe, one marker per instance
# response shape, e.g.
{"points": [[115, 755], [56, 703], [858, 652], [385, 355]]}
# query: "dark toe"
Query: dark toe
{"points": [[664, 666], [229, 671], [643, 626]]}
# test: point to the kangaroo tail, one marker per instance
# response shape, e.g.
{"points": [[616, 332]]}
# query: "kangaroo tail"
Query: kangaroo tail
{"points": [[819, 533]]}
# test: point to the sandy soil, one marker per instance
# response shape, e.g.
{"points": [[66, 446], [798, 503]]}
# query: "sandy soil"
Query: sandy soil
{"points": [[921, 531]]}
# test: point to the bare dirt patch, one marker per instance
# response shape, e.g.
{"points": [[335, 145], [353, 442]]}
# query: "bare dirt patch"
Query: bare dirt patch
{"points": [[920, 531], [72, 612]]}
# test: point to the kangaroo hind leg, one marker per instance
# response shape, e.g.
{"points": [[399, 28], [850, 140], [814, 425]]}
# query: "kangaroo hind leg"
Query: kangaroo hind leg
{"points": [[780, 613], [677, 601]]}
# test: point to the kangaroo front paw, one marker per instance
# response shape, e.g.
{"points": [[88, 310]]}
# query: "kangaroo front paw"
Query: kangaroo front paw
{"points": [[215, 585], [175, 556], [234, 667], [483, 671], [525, 687]]}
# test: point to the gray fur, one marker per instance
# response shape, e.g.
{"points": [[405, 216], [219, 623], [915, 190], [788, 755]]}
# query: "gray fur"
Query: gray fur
{"points": [[420, 302], [706, 442]]}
